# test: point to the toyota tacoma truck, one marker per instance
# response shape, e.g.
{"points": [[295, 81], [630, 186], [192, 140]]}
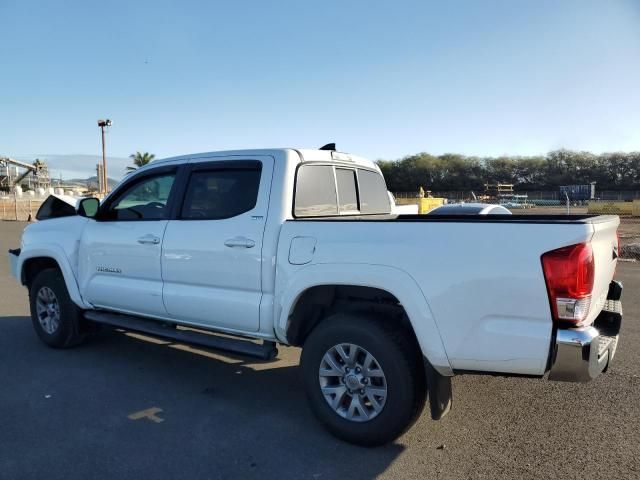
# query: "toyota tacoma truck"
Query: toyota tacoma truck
{"points": [[245, 250]]}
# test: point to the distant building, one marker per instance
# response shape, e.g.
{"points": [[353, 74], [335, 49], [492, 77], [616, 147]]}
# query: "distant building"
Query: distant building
{"points": [[8, 170], [14, 173]]}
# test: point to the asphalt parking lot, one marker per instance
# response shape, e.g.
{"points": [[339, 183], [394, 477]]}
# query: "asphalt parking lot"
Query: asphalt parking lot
{"points": [[65, 414]]}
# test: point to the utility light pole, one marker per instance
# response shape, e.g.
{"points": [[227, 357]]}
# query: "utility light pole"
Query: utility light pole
{"points": [[105, 186]]}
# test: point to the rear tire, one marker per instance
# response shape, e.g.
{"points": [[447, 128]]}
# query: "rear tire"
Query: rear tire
{"points": [[56, 319], [348, 356]]}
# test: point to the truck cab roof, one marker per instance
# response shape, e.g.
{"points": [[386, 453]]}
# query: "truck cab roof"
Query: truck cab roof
{"points": [[305, 155]]}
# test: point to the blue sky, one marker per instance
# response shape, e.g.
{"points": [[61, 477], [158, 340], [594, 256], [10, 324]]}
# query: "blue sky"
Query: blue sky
{"points": [[382, 79]]}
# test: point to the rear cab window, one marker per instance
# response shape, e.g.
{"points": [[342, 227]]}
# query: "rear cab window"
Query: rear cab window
{"points": [[337, 190], [315, 191], [373, 193], [347, 190]]}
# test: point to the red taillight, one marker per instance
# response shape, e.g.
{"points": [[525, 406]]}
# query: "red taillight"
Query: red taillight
{"points": [[569, 273]]}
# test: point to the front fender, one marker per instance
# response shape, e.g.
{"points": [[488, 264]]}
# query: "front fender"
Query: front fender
{"points": [[56, 253], [393, 280]]}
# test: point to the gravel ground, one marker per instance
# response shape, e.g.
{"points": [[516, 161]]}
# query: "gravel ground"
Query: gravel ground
{"points": [[64, 414]]}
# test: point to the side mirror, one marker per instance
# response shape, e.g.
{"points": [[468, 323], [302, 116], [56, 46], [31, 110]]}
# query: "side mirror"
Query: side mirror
{"points": [[88, 207]]}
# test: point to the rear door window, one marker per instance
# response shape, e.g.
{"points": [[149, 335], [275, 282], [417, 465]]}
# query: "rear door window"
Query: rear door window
{"points": [[220, 193]]}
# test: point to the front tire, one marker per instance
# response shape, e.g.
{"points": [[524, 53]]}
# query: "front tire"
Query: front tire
{"points": [[364, 378], [56, 319]]}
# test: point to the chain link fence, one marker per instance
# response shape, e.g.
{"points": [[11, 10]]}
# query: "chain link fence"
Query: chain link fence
{"points": [[24, 209], [624, 204]]}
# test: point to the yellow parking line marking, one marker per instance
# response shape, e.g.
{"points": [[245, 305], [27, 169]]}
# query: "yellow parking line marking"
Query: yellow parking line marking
{"points": [[149, 413]]}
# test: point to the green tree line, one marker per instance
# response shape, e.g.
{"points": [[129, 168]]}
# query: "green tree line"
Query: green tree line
{"points": [[450, 172]]}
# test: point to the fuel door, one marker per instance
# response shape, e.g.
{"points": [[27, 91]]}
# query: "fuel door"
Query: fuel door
{"points": [[301, 250]]}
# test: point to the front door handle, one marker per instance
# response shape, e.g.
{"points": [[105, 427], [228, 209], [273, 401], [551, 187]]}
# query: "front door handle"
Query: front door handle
{"points": [[240, 242], [149, 240]]}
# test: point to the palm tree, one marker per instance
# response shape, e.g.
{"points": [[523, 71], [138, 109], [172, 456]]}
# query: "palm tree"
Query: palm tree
{"points": [[140, 160]]}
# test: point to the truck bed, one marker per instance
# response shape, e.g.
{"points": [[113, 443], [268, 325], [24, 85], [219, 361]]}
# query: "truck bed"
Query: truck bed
{"points": [[518, 218], [481, 275]]}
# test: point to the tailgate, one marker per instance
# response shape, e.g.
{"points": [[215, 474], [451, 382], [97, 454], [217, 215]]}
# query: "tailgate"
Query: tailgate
{"points": [[605, 252]]}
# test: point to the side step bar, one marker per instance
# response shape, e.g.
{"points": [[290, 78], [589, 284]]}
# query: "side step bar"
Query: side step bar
{"points": [[264, 351]]}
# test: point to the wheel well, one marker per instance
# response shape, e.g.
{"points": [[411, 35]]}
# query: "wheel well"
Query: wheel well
{"points": [[321, 301], [35, 265]]}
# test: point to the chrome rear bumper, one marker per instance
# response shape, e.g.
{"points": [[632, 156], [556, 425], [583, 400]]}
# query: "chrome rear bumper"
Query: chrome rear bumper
{"points": [[583, 353]]}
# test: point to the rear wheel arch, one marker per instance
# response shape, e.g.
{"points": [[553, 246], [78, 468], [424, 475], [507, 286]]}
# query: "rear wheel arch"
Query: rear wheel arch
{"points": [[318, 281], [321, 301]]}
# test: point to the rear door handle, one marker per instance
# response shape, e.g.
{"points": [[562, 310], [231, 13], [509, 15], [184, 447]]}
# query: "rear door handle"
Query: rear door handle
{"points": [[149, 240], [240, 242]]}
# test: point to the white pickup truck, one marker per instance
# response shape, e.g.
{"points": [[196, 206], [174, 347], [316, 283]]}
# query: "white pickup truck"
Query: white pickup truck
{"points": [[299, 247]]}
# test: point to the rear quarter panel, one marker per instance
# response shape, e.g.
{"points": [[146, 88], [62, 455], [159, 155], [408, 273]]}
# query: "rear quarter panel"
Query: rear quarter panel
{"points": [[482, 283]]}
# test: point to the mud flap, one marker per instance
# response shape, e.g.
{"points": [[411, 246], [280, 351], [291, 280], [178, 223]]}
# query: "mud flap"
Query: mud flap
{"points": [[439, 389]]}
